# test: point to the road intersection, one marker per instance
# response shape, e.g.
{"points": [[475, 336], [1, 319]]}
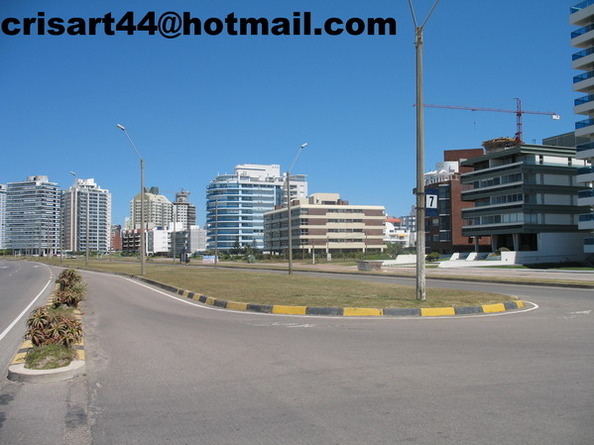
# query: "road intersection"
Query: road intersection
{"points": [[162, 369]]}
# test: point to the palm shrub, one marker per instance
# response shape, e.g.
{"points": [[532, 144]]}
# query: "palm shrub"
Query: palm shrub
{"points": [[53, 326], [66, 298], [70, 297], [68, 278]]}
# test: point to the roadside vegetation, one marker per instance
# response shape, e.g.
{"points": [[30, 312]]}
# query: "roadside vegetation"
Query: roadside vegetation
{"points": [[55, 329], [296, 290]]}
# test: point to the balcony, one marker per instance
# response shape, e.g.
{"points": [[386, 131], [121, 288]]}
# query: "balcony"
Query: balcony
{"points": [[585, 174], [584, 82], [586, 222], [584, 105], [585, 151], [584, 59], [586, 197], [584, 128], [581, 13], [583, 37]]}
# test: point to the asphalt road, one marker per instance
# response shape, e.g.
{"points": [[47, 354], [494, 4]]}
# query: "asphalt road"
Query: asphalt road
{"points": [[164, 371], [22, 285]]}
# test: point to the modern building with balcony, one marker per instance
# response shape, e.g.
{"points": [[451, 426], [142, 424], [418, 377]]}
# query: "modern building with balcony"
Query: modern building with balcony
{"points": [[525, 198], [582, 16], [184, 212], [236, 204], [33, 216], [324, 223], [158, 210], [82, 197]]}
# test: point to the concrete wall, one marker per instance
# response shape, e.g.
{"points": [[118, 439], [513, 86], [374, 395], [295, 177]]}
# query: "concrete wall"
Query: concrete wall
{"points": [[561, 243], [401, 259]]}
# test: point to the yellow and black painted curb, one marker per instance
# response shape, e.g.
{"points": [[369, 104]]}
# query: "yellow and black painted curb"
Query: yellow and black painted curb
{"points": [[21, 354], [340, 311]]}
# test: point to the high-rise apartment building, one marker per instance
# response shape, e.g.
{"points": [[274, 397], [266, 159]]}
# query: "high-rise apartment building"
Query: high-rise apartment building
{"points": [[184, 212], [236, 204], [33, 216], [158, 210], [582, 15], [2, 216], [86, 210]]}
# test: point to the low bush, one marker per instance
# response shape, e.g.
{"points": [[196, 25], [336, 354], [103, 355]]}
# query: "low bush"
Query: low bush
{"points": [[66, 298], [68, 278], [47, 326], [433, 256]]}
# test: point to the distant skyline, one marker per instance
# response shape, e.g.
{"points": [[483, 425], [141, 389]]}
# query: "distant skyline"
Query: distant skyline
{"points": [[196, 106]]}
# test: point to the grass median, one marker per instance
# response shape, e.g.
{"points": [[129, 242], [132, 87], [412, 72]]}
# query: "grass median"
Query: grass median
{"points": [[295, 290]]}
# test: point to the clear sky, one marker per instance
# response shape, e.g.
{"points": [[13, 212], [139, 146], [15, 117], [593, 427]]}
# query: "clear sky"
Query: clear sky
{"points": [[197, 105]]}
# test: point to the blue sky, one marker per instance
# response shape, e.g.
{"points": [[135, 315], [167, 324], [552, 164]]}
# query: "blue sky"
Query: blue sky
{"points": [[198, 105]]}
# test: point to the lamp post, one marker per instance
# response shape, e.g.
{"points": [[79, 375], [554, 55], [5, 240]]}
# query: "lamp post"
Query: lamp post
{"points": [[216, 258], [289, 225], [86, 224], [420, 189], [142, 225]]}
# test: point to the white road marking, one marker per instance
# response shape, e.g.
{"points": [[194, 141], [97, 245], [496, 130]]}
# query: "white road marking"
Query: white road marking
{"points": [[576, 314], [285, 325], [16, 320]]}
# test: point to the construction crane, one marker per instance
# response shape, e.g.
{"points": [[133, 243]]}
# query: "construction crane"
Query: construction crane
{"points": [[518, 112]]}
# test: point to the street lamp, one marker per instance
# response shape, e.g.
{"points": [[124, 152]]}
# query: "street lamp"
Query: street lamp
{"points": [[87, 224], [420, 190], [301, 147], [142, 226], [216, 258]]}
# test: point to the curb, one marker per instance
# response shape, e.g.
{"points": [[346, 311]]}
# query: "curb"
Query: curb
{"points": [[18, 373], [338, 311]]}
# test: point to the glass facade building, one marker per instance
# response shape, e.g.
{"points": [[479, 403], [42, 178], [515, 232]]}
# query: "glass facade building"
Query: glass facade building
{"points": [[582, 16], [33, 216], [236, 204]]}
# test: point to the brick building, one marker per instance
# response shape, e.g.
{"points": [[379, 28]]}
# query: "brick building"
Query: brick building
{"points": [[443, 226]]}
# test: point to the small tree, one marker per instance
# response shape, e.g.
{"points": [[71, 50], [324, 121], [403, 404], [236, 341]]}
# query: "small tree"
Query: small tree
{"points": [[236, 246], [433, 256]]}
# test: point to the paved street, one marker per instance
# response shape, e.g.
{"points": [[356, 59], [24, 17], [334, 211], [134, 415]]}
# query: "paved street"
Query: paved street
{"points": [[164, 371], [20, 284]]}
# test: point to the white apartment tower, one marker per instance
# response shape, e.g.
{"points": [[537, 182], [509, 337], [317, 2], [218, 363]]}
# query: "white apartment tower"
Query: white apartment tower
{"points": [[86, 217], [33, 216], [184, 212], [582, 16], [158, 210]]}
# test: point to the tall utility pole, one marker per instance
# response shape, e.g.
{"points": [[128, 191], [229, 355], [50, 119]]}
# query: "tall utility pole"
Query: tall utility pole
{"points": [[420, 190], [142, 203], [289, 223]]}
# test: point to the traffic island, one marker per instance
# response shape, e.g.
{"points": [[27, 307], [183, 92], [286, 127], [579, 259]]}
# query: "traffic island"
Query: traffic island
{"points": [[339, 311]]}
